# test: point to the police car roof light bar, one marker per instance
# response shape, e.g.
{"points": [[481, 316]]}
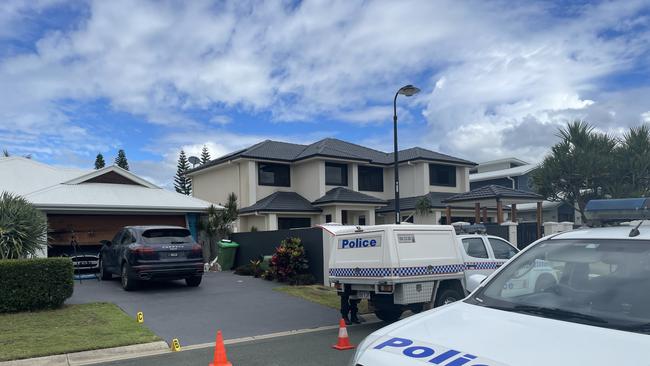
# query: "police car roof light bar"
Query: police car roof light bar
{"points": [[608, 211]]}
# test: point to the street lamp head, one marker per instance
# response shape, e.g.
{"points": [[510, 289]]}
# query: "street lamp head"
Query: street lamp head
{"points": [[408, 90]]}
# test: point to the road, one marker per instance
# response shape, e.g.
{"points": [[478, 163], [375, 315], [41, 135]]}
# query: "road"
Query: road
{"points": [[305, 349]]}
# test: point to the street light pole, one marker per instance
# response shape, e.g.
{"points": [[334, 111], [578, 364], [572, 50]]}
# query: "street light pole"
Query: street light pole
{"points": [[408, 90]]}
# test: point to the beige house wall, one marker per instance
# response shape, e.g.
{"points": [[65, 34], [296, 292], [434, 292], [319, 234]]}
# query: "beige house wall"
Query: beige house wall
{"points": [[309, 179], [214, 185]]}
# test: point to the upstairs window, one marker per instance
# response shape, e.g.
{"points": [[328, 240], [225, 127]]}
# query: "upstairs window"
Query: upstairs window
{"points": [[442, 175], [277, 175], [336, 174], [371, 179]]}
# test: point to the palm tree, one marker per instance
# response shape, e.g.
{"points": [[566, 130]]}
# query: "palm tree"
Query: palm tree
{"points": [[23, 228]]}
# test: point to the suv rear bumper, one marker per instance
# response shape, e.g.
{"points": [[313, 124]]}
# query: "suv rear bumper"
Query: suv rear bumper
{"points": [[167, 271]]}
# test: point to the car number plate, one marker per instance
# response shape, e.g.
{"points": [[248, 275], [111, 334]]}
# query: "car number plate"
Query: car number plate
{"points": [[363, 295], [173, 254]]}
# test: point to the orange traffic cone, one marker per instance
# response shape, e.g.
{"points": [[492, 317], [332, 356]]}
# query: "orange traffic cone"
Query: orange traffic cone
{"points": [[220, 358], [344, 340]]}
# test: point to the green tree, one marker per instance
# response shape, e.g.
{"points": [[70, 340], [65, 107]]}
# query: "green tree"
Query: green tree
{"points": [[218, 223], [423, 206], [99, 161], [205, 155], [23, 228], [121, 161], [580, 167], [632, 178], [182, 182]]}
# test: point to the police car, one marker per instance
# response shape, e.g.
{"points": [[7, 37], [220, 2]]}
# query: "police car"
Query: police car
{"points": [[594, 311]]}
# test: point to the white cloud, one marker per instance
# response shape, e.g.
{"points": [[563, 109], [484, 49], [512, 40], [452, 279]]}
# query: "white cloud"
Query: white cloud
{"points": [[487, 70]]}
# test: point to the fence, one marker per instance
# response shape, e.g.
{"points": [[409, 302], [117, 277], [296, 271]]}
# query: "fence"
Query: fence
{"points": [[254, 244], [527, 233], [497, 230]]}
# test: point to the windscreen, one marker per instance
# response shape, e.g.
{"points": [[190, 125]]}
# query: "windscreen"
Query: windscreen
{"points": [[166, 236], [599, 282]]}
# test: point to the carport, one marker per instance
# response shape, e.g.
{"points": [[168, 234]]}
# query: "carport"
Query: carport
{"points": [[499, 196]]}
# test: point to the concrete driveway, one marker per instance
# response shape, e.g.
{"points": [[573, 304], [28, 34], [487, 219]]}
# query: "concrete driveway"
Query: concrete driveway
{"points": [[240, 306]]}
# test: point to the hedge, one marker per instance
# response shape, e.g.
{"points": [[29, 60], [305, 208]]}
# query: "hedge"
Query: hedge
{"points": [[34, 284]]}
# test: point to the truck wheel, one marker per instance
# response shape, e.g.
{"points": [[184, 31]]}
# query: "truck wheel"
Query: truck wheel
{"points": [[447, 296], [416, 308], [193, 281], [128, 284], [389, 314], [103, 273]]}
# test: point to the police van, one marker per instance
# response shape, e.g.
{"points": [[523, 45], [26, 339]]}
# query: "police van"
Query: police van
{"points": [[400, 267], [594, 309]]}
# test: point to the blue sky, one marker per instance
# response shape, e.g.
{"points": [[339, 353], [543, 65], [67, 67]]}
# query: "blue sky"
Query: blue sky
{"points": [[152, 77]]}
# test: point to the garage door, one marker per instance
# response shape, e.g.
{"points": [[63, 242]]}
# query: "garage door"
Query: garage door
{"points": [[90, 229]]}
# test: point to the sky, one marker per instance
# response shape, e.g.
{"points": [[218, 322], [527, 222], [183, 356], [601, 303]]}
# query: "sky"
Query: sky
{"points": [[498, 78]]}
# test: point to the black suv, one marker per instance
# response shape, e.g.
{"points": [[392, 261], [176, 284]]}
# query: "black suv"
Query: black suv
{"points": [[151, 252]]}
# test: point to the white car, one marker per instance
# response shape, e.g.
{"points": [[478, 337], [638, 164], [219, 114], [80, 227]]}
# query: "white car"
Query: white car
{"points": [[595, 310]]}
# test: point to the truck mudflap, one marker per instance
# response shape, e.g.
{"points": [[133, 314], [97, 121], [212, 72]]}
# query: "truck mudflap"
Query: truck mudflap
{"points": [[397, 272]]}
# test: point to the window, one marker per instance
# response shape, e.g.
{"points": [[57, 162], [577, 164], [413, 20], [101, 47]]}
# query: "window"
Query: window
{"points": [[501, 249], [328, 218], [442, 175], [362, 220], [273, 175], [285, 223], [371, 179], [344, 217], [474, 247], [127, 238], [336, 174]]}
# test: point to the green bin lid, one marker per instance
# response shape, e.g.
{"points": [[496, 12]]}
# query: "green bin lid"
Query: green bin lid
{"points": [[228, 244]]}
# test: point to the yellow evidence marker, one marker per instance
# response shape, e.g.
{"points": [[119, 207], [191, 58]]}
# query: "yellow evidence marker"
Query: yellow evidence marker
{"points": [[140, 317], [176, 346]]}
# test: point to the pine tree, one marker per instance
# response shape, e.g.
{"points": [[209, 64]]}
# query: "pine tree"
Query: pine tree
{"points": [[182, 183], [121, 161], [205, 155], [99, 161]]}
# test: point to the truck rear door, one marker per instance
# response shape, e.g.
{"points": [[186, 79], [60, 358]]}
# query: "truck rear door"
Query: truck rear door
{"points": [[427, 252], [360, 255]]}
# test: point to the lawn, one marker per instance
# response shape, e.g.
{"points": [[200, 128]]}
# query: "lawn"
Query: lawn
{"points": [[320, 294], [69, 329]]}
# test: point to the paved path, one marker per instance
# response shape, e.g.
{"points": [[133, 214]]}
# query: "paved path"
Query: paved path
{"points": [[309, 349], [239, 306]]}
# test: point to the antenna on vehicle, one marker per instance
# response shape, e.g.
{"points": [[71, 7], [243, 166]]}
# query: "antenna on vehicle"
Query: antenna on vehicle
{"points": [[194, 161], [635, 231]]}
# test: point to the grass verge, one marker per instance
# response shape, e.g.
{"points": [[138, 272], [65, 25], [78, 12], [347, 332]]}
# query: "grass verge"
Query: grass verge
{"points": [[321, 295], [72, 328]]}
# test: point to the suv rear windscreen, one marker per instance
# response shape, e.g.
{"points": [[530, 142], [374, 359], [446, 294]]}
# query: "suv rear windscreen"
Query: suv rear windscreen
{"points": [[181, 234]]}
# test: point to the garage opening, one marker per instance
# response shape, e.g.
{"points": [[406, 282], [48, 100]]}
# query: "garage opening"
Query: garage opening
{"points": [[285, 223]]}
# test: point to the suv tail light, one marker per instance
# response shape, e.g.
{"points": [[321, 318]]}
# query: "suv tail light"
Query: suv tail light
{"points": [[196, 248], [142, 250]]}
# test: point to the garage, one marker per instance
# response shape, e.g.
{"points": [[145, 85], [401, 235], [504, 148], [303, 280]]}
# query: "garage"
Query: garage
{"points": [[84, 207]]}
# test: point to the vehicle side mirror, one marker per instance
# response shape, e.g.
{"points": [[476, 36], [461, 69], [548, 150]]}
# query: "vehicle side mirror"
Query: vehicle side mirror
{"points": [[106, 242], [474, 281]]}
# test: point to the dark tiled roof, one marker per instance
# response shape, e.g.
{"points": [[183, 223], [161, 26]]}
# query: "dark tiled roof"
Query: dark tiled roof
{"points": [[493, 192], [341, 194], [408, 203], [281, 202], [333, 148]]}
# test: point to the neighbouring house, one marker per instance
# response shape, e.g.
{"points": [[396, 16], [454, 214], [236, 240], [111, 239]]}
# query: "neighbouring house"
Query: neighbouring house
{"points": [[516, 174], [92, 205], [284, 185]]}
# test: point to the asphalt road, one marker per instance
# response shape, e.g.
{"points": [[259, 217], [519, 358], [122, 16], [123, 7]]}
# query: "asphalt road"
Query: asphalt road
{"points": [[240, 306], [305, 349]]}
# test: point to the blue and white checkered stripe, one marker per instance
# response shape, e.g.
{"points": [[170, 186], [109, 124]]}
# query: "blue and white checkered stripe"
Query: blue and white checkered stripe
{"points": [[401, 271], [477, 266]]}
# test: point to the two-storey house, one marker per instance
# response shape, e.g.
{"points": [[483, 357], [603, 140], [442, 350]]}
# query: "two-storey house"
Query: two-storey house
{"points": [[283, 185]]}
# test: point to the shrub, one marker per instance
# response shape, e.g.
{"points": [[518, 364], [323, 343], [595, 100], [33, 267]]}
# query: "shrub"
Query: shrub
{"points": [[244, 270], [289, 261], [34, 284], [23, 228], [305, 279]]}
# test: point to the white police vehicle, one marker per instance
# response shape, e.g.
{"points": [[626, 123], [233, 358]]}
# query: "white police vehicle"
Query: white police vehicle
{"points": [[595, 312], [400, 267]]}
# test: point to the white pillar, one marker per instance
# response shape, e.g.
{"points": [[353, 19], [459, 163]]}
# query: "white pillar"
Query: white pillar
{"points": [[437, 215], [370, 217], [512, 232], [338, 215], [272, 221]]}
